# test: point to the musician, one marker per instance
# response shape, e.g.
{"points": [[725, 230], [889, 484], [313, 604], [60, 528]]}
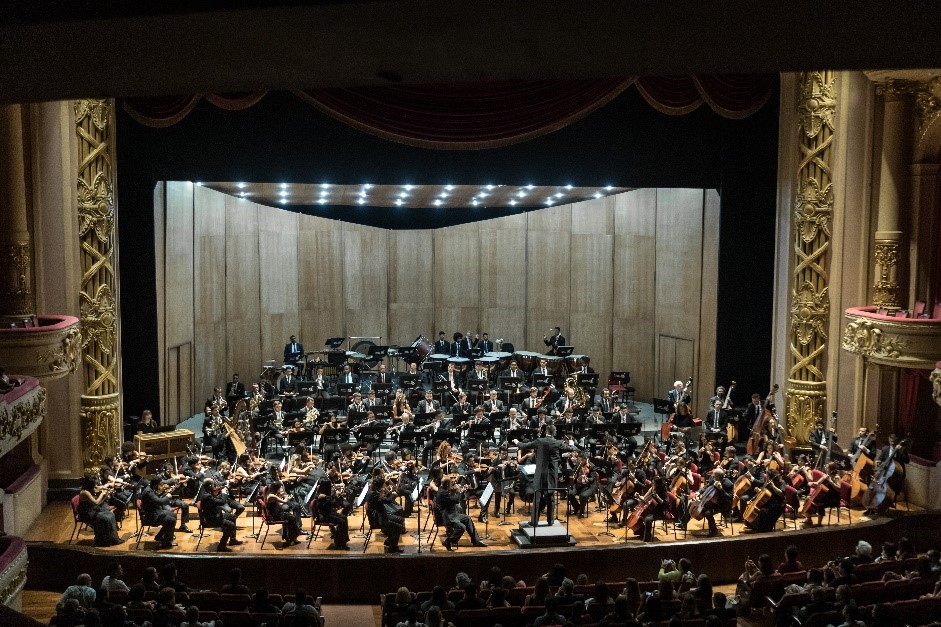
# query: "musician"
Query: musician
{"points": [[584, 486], [752, 415], [217, 399], [287, 384], [515, 420], [357, 404], [770, 456], [311, 414], [534, 401], [171, 483], [442, 346], [718, 396], [605, 402], [493, 404], [457, 348], [829, 499], [371, 400], [554, 342], [234, 390], [255, 398], [114, 477], [328, 508], [282, 507], [683, 421], [218, 510], [861, 443], [448, 501], [566, 402], [381, 510], [485, 345], [721, 502], [320, 385], [541, 370], [585, 367], [514, 371], [705, 458], [655, 501], [772, 509], [400, 405], [428, 405], [157, 511], [548, 452], [347, 375], [93, 509], [462, 406], [214, 434], [406, 485], [146, 423], [467, 343], [478, 374], [293, 350], [678, 395], [454, 380], [822, 439], [276, 426], [382, 376]]}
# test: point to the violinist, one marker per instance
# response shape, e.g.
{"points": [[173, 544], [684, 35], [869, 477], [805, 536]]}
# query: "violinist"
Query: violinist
{"points": [[281, 506], [706, 457], [583, 487], [221, 510], [381, 510], [93, 509], [114, 476], [328, 510], [157, 511], [448, 501], [825, 500], [729, 462], [170, 483]]}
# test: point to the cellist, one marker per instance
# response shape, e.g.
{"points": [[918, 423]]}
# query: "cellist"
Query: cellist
{"points": [[820, 502]]}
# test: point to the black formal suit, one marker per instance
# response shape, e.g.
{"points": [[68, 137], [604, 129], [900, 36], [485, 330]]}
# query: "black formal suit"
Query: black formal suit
{"points": [[235, 391], [456, 521], [382, 377], [673, 396], [486, 346], [716, 420], [427, 407], [287, 384], [554, 343], [293, 351], [443, 347], [349, 377], [752, 414], [518, 374], [606, 405], [564, 403], [548, 460], [492, 406]]}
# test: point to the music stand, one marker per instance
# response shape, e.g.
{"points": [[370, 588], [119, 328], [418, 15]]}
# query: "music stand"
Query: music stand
{"points": [[382, 389], [442, 435], [663, 408], [410, 381], [523, 435], [587, 380], [334, 343], [476, 353], [564, 351], [382, 412], [483, 501], [480, 433], [413, 440], [478, 386], [441, 388], [509, 385], [542, 380], [345, 392]]}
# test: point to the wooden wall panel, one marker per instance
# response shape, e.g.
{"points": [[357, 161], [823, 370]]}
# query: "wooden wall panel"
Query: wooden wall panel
{"points": [[366, 281], [160, 263], [320, 282], [457, 279], [592, 281], [679, 275], [548, 275], [179, 272], [411, 286], [243, 311], [210, 360], [503, 279], [708, 309], [278, 279], [634, 293]]}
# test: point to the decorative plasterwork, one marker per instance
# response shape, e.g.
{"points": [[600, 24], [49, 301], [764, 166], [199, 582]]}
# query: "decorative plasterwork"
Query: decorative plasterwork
{"points": [[817, 104], [899, 342], [99, 318], [50, 350], [936, 383], [13, 577], [96, 207], [100, 428], [810, 313], [16, 285], [886, 287], [21, 416]]}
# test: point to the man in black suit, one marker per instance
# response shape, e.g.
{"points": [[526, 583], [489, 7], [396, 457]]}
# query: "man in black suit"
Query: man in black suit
{"points": [[293, 350], [457, 347], [554, 342], [717, 418], [235, 391], [514, 371], [287, 384], [448, 502], [751, 415], [382, 376], [485, 344], [347, 375], [442, 346], [678, 395], [548, 459]]}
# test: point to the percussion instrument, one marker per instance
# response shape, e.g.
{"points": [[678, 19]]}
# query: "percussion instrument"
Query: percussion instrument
{"points": [[553, 364], [460, 363], [488, 362], [503, 357], [527, 360], [573, 363], [423, 348], [437, 357]]}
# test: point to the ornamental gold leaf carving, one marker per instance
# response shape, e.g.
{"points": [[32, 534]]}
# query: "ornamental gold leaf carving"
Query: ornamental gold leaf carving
{"points": [[99, 318], [65, 357], [864, 338], [96, 207], [816, 104], [16, 420], [936, 385], [810, 312], [812, 209], [99, 110]]}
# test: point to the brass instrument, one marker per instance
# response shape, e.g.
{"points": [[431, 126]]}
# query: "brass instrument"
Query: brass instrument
{"points": [[581, 397]]}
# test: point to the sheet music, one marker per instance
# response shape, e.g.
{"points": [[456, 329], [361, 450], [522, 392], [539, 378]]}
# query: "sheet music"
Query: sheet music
{"points": [[417, 489], [485, 497], [362, 495]]}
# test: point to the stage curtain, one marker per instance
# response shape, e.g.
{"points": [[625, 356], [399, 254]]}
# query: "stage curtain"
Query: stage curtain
{"points": [[479, 115], [911, 382]]}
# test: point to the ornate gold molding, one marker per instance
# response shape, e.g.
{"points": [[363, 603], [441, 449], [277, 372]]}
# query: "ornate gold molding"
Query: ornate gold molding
{"points": [[101, 428], [50, 350], [813, 212], [927, 105], [100, 414], [21, 417], [886, 287], [64, 358], [936, 383], [898, 342], [16, 292], [13, 577]]}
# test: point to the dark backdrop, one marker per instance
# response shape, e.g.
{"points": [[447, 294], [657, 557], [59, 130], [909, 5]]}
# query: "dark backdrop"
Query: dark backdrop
{"points": [[626, 143]]}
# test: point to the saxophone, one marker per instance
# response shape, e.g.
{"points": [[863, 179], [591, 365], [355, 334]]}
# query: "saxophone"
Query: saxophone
{"points": [[581, 397]]}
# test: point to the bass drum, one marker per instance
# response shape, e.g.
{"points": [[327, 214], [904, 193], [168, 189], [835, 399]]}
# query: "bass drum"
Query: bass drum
{"points": [[527, 360], [554, 364], [423, 348], [573, 363], [363, 347]]}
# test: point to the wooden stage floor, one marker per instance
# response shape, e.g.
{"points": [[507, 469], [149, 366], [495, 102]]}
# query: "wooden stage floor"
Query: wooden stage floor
{"points": [[55, 524]]}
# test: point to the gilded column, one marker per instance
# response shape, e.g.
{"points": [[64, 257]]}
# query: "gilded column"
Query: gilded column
{"points": [[100, 403], [16, 292], [813, 214]]}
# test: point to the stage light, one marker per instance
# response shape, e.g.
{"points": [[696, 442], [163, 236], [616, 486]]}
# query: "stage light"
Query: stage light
{"points": [[490, 187], [368, 185], [325, 185], [322, 201], [530, 187], [241, 185], [484, 194], [568, 187], [521, 194], [323, 193], [408, 187], [398, 201], [284, 185], [437, 202], [559, 195], [283, 201], [609, 188], [513, 203], [242, 194], [403, 195], [549, 200], [362, 201], [474, 202], [199, 183], [449, 187]]}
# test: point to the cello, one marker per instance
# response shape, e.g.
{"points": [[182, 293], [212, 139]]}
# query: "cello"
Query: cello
{"points": [[754, 440], [705, 498], [636, 519]]}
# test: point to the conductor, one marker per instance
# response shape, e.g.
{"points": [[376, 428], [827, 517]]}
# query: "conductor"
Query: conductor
{"points": [[548, 459]]}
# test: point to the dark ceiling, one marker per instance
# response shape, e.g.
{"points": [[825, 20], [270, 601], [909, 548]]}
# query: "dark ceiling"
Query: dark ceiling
{"points": [[52, 50]]}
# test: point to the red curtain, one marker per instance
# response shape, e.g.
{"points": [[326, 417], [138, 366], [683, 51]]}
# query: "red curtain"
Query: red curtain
{"points": [[909, 388], [466, 116]]}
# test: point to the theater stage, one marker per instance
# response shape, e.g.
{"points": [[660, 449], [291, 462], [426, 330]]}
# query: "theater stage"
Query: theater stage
{"points": [[355, 576]]}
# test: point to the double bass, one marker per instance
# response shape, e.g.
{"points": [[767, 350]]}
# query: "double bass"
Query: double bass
{"points": [[730, 427], [668, 425], [881, 490], [862, 465], [753, 445]]}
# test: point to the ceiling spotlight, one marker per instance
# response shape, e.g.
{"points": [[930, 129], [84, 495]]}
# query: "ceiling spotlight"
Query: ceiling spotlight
{"points": [[242, 194], [568, 187], [484, 194], [445, 194], [490, 186], [449, 187], [559, 195], [597, 194], [403, 195], [398, 201], [362, 201], [283, 193], [609, 188], [322, 201], [474, 202], [323, 193], [325, 185], [529, 187], [284, 185], [283, 201], [199, 183], [408, 187], [521, 194], [549, 200], [513, 203], [437, 202], [241, 185], [368, 185]]}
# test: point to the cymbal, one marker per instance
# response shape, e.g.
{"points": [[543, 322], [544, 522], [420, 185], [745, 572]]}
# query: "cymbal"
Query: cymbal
{"points": [[318, 364], [355, 355]]}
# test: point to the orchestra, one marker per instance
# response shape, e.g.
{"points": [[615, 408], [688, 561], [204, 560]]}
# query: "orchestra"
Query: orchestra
{"points": [[312, 451]]}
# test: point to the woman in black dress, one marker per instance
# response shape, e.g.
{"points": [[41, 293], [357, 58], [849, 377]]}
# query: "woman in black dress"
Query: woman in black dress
{"points": [[93, 509]]}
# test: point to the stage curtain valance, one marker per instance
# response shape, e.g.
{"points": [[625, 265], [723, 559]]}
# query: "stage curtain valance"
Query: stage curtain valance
{"points": [[464, 116]]}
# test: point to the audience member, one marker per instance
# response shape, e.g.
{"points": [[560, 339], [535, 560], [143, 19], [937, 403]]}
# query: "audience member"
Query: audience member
{"points": [[112, 581], [539, 593], [439, 598], [790, 564], [261, 604], [552, 616], [470, 601], [889, 552], [81, 591], [301, 606], [234, 585], [192, 619], [149, 580], [411, 618], [168, 579]]}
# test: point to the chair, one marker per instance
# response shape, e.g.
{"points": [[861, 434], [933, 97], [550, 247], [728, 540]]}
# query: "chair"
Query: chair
{"points": [[918, 309], [78, 523], [202, 523], [439, 523], [236, 619], [266, 521], [317, 524], [142, 524], [373, 522], [617, 384]]}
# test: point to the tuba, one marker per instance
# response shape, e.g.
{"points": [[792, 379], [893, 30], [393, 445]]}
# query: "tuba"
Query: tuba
{"points": [[581, 397]]}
